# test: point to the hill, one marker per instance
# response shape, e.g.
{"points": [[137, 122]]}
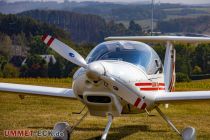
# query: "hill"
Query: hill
{"points": [[83, 27], [191, 25], [118, 12], [113, 11], [14, 25]]}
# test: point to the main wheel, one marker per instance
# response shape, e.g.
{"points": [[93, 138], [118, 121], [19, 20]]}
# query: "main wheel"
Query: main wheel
{"points": [[189, 133], [61, 131]]}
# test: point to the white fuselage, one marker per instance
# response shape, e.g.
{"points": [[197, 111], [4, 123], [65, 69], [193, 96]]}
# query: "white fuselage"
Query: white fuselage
{"points": [[100, 100]]}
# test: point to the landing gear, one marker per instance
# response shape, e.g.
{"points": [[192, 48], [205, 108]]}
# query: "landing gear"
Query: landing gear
{"points": [[106, 131], [148, 113], [63, 131], [188, 133]]}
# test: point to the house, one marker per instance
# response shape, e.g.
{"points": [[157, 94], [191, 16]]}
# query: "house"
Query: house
{"points": [[47, 58], [17, 60]]}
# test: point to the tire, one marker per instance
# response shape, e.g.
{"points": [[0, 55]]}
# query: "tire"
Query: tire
{"points": [[61, 131]]}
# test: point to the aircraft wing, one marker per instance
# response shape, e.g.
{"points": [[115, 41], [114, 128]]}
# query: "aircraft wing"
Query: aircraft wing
{"points": [[186, 96], [37, 90], [163, 39]]}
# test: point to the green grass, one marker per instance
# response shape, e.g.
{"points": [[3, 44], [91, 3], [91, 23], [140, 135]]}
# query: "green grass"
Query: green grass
{"points": [[195, 85], [43, 112]]}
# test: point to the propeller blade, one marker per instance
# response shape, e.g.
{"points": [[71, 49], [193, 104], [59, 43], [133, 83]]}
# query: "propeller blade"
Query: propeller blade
{"points": [[124, 92], [64, 50]]}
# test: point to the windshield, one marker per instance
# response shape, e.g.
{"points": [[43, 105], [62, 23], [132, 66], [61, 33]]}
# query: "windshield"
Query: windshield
{"points": [[133, 52], [132, 56]]}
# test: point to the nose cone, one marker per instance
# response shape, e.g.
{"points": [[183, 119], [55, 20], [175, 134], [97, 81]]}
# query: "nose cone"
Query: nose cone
{"points": [[95, 70]]}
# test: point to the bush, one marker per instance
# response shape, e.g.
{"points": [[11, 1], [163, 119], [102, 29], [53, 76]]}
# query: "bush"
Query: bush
{"points": [[182, 77], [35, 66], [1, 74], [197, 70], [10, 71]]}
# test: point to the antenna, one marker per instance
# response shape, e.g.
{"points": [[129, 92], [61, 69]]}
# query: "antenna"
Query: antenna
{"points": [[152, 16]]}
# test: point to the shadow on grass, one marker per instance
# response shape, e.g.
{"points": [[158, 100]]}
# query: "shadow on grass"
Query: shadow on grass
{"points": [[115, 133], [120, 132], [40, 127]]}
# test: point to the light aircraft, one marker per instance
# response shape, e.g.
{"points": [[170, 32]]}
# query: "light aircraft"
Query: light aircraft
{"points": [[120, 72]]}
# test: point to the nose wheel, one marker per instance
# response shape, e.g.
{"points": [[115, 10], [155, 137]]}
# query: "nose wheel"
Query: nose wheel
{"points": [[63, 131], [188, 133]]}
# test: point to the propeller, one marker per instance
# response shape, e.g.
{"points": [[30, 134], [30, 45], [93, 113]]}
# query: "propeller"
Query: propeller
{"points": [[64, 50]]}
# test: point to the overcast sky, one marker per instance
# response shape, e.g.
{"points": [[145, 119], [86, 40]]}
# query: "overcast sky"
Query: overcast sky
{"points": [[163, 1]]}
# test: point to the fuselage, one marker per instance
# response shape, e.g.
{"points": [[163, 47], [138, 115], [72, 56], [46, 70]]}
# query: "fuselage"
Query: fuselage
{"points": [[139, 79]]}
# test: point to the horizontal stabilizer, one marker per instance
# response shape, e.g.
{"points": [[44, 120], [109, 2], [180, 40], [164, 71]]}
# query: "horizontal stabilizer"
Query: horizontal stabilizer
{"points": [[37, 90], [162, 39], [186, 96]]}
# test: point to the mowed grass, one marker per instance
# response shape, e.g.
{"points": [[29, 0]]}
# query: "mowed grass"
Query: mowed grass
{"points": [[37, 113]]}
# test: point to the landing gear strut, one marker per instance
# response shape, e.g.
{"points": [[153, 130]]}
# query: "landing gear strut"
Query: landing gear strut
{"points": [[188, 133], [106, 131]]}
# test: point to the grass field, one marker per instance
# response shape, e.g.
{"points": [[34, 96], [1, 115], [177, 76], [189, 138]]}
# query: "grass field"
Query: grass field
{"points": [[35, 112]]}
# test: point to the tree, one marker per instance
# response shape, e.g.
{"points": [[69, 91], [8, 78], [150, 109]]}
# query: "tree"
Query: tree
{"points": [[183, 58], [197, 70], [182, 77], [10, 71], [3, 62], [20, 43], [134, 29], [55, 69], [35, 67], [5, 45], [201, 57], [37, 46]]}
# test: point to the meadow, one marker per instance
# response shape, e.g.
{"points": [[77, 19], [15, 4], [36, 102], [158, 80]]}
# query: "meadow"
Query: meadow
{"points": [[37, 113]]}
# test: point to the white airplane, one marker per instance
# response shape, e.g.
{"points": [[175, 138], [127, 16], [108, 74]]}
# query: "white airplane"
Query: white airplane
{"points": [[118, 73]]}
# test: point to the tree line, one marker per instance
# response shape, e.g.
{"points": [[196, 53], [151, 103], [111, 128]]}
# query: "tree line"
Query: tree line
{"points": [[187, 25], [84, 27]]}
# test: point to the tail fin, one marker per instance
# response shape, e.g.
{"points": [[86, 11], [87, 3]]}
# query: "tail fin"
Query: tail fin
{"points": [[169, 68]]}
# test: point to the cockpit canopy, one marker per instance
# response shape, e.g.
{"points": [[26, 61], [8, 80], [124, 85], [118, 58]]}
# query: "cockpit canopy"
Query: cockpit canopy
{"points": [[137, 53]]}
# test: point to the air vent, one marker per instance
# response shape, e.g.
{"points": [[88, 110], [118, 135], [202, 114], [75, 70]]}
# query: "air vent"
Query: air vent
{"points": [[99, 99], [101, 103], [81, 97]]}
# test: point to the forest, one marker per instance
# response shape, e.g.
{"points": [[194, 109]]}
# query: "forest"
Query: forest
{"points": [[185, 25], [20, 38], [83, 27]]}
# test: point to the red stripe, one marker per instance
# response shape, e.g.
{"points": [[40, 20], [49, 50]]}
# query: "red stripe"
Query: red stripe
{"points": [[161, 89], [161, 84], [137, 102], [147, 89], [143, 84], [143, 106], [50, 41], [149, 84], [44, 37], [151, 89]]}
